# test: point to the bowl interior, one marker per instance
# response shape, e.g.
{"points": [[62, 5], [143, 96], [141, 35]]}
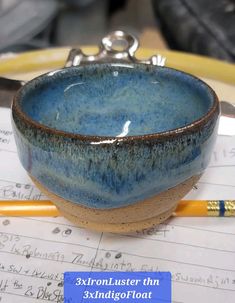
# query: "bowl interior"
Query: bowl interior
{"points": [[116, 99]]}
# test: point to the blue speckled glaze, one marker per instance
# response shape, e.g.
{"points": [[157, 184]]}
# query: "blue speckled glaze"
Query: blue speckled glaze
{"points": [[121, 101], [115, 98]]}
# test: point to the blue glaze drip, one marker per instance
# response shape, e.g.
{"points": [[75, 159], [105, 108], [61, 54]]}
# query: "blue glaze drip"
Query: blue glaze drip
{"points": [[117, 101]]}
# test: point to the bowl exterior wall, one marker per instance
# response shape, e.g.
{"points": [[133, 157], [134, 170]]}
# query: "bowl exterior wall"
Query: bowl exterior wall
{"points": [[113, 173]]}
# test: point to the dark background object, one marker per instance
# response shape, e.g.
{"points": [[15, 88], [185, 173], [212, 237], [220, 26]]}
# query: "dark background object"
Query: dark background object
{"points": [[205, 27], [45, 23], [25, 24]]}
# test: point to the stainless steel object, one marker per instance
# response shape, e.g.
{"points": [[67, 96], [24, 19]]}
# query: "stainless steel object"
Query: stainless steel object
{"points": [[227, 109], [8, 88], [117, 46]]}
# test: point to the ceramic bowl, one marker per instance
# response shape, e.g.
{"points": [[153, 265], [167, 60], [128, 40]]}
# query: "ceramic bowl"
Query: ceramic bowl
{"points": [[115, 144]]}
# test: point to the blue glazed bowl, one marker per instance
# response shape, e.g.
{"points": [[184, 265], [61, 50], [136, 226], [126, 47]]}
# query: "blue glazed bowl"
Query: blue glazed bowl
{"points": [[106, 136]]}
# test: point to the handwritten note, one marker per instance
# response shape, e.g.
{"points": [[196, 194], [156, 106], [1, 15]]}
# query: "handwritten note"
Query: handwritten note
{"points": [[34, 252], [14, 182]]}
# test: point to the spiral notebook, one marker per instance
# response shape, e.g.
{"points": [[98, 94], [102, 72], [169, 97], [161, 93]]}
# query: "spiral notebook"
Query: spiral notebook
{"points": [[35, 252]]}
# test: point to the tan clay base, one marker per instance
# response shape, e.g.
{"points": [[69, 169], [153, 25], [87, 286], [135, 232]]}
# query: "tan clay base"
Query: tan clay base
{"points": [[119, 227], [143, 214]]}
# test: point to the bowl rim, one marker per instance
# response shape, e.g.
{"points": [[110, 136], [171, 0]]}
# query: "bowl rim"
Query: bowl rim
{"points": [[191, 127]]}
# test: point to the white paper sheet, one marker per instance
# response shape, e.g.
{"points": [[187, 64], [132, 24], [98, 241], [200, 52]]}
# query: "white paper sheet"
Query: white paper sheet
{"points": [[199, 252]]}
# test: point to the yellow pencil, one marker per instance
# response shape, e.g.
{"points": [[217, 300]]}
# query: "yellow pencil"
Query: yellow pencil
{"points": [[28, 208], [186, 208], [204, 208]]}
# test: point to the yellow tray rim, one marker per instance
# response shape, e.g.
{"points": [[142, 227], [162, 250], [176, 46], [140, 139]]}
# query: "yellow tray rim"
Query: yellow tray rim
{"points": [[54, 58]]}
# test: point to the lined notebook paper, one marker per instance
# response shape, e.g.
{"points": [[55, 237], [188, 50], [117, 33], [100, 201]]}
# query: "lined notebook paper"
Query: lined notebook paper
{"points": [[199, 252]]}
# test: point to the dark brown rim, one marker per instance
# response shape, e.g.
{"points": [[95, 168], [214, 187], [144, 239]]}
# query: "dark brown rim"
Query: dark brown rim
{"points": [[89, 138]]}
